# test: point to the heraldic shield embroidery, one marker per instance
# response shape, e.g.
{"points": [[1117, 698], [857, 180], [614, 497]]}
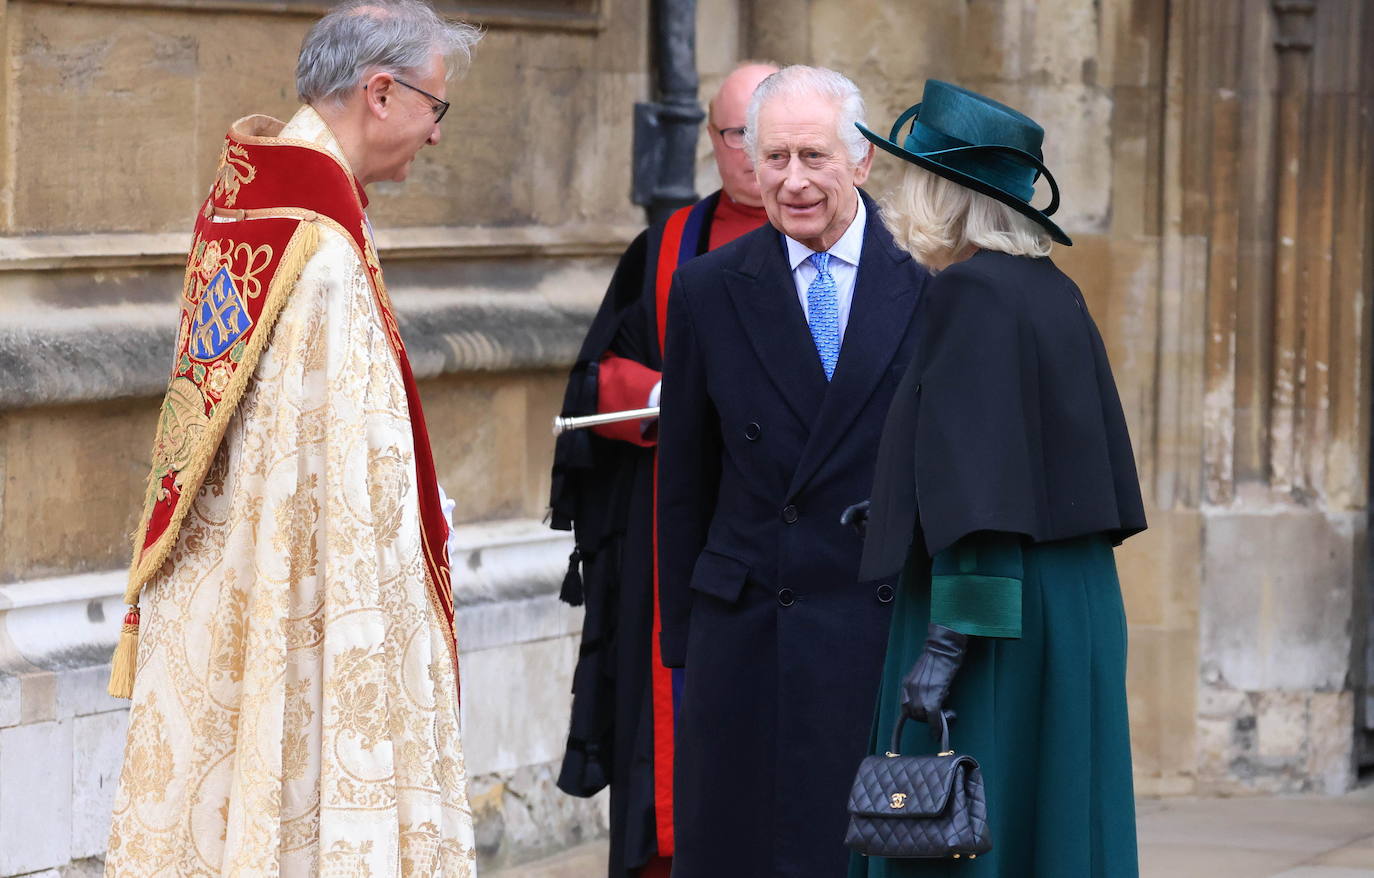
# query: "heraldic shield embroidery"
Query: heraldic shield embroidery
{"points": [[227, 299], [214, 323], [220, 319]]}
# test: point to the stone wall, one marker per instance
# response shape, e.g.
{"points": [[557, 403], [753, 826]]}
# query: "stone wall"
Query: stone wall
{"points": [[496, 250], [116, 110], [1216, 168]]}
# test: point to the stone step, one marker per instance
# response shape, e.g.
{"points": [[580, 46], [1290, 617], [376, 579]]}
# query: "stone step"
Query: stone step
{"points": [[584, 861]]}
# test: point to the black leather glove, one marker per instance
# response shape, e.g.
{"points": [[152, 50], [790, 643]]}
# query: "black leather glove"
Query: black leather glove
{"points": [[856, 516], [926, 685]]}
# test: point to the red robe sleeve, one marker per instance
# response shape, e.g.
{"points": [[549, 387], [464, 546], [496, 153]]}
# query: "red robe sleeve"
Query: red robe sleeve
{"points": [[623, 384]]}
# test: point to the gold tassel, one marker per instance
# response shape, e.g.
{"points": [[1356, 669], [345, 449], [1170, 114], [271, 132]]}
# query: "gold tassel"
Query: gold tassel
{"points": [[125, 657]]}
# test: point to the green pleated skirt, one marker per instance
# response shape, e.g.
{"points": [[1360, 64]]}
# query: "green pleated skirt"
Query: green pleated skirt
{"points": [[1045, 716]]}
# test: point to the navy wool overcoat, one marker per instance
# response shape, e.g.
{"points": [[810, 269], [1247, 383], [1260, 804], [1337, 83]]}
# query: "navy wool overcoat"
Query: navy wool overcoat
{"points": [[761, 602]]}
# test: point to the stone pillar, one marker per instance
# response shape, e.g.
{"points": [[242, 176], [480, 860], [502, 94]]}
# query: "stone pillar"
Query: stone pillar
{"points": [[1285, 412]]}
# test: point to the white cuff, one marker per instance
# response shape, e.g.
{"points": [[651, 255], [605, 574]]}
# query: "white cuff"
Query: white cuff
{"points": [[648, 423]]}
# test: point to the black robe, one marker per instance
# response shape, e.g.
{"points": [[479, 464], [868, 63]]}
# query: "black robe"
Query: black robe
{"points": [[603, 492]]}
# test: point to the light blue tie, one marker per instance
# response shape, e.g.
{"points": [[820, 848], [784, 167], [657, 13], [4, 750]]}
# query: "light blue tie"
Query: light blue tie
{"points": [[823, 313]]}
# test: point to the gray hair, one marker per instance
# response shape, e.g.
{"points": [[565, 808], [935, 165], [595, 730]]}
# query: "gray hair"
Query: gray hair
{"points": [[935, 219], [390, 36], [801, 81]]}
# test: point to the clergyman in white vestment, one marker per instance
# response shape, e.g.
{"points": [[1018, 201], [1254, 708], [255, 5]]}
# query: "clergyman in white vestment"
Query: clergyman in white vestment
{"points": [[295, 703]]}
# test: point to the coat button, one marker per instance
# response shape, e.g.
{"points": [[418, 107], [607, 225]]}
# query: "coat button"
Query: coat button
{"points": [[753, 431], [789, 514], [885, 593], [786, 597]]}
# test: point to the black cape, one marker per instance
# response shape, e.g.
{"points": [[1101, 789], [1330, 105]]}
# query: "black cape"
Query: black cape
{"points": [[1008, 419], [603, 491]]}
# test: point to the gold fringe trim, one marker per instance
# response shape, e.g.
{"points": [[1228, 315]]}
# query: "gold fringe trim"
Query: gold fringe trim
{"points": [[299, 250]]}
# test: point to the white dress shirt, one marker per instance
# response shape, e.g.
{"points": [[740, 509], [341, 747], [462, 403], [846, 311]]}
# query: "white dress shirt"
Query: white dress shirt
{"points": [[844, 266]]}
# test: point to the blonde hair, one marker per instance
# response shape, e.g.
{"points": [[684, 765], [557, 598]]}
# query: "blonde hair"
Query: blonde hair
{"points": [[935, 220]]}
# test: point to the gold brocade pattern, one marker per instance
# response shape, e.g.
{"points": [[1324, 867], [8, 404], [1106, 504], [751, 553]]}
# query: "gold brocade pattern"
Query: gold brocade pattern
{"points": [[384, 300], [295, 710]]}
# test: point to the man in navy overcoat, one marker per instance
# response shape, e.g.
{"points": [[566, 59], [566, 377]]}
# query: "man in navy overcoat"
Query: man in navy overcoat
{"points": [[783, 351]]}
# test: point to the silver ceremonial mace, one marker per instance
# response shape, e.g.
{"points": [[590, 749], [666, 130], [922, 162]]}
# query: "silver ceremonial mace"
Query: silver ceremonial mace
{"points": [[561, 424]]}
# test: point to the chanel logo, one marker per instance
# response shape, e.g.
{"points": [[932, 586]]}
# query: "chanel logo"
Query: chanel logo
{"points": [[898, 800]]}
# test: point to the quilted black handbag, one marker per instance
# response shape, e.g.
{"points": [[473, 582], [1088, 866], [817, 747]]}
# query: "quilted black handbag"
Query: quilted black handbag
{"points": [[919, 806]]}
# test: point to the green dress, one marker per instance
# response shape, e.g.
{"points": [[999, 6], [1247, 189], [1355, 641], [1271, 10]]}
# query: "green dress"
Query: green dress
{"points": [[1044, 713]]}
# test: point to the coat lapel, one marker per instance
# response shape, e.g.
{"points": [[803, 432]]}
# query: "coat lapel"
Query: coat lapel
{"points": [[766, 300], [885, 294]]}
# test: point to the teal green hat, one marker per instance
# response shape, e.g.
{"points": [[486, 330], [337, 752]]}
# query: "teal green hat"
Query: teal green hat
{"points": [[976, 142]]}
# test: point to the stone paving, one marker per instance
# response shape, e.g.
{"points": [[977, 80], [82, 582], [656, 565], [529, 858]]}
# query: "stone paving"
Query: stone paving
{"points": [[1260, 837]]}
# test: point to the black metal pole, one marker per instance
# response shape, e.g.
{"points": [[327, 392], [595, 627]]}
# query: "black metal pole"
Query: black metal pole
{"points": [[666, 130]]}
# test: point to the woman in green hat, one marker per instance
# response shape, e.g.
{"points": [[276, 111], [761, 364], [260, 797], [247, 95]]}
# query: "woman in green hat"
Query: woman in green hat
{"points": [[1004, 479]]}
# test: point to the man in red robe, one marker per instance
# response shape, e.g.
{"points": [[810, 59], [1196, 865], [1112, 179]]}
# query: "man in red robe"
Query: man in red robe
{"points": [[603, 489]]}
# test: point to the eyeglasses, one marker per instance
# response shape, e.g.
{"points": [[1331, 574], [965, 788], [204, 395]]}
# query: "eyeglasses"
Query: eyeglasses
{"points": [[732, 137], [440, 105]]}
